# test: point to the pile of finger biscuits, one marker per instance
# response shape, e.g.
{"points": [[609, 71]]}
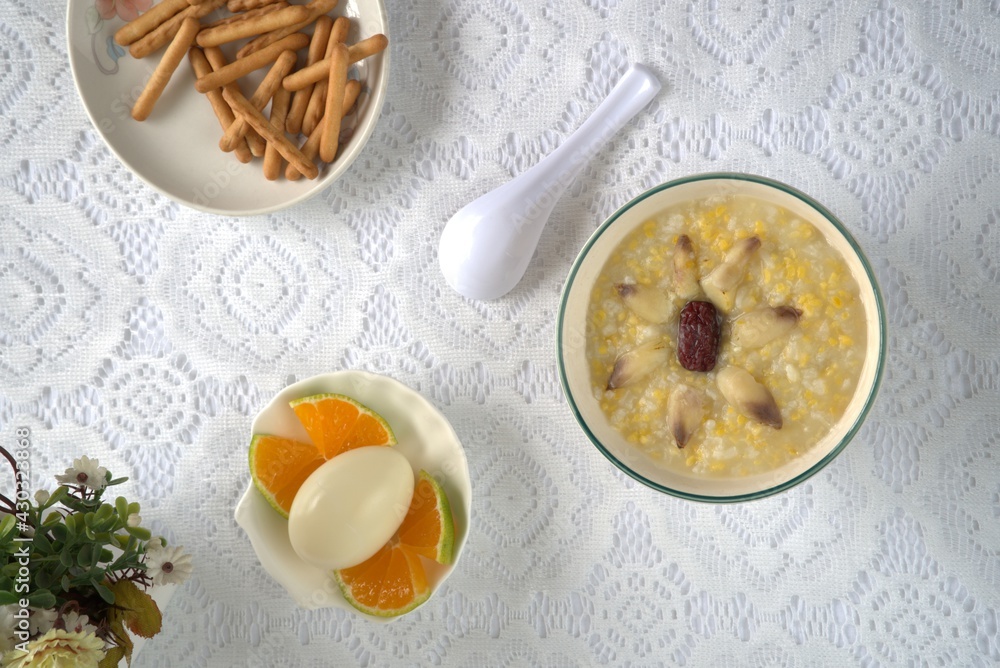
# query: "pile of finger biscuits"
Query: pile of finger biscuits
{"points": [[310, 101]]}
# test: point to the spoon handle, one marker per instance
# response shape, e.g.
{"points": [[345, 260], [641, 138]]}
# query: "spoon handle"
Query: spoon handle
{"points": [[633, 92]]}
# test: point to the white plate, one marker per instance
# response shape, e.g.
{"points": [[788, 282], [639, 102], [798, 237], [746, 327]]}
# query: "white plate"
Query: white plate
{"points": [[176, 150], [424, 437]]}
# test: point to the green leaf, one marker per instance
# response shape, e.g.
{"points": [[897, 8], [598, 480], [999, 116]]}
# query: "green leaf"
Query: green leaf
{"points": [[41, 598], [65, 558], [104, 512], [56, 496], [121, 540], [106, 555], [137, 609], [113, 657], [7, 526], [43, 578], [8, 598], [139, 532], [84, 556], [121, 506], [116, 481], [60, 532], [41, 543], [132, 508], [64, 582], [105, 593]]}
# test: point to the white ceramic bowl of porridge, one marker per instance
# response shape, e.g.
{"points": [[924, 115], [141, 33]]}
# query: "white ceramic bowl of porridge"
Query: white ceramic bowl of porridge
{"points": [[721, 337]]}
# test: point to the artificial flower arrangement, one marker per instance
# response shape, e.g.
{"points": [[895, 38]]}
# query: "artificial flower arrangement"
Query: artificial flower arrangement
{"points": [[76, 572]]}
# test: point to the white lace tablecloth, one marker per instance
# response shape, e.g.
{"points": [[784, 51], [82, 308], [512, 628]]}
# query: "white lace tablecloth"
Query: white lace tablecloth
{"points": [[148, 334]]}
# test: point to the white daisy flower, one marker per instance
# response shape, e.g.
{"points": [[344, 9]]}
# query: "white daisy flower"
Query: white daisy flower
{"points": [[41, 621], [168, 565], [74, 622], [133, 520], [86, 472]]}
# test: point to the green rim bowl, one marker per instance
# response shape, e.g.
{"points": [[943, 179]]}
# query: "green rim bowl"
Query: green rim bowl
{"points": [[574, 371]]}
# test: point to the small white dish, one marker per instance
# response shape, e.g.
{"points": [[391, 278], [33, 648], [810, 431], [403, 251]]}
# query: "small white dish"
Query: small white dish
{"points": [[176, 150], [424, 436]]}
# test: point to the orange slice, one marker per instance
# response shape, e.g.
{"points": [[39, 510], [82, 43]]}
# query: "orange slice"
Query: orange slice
{"points": [[335, 424], [394, 580], [279, 466]]}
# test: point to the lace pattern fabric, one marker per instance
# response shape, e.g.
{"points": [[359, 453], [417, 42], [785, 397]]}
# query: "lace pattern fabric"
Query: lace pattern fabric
{"points": [[148, 335]]}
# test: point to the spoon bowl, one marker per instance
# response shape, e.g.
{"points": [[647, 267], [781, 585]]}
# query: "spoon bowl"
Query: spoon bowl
{"points": [[486, 247]]}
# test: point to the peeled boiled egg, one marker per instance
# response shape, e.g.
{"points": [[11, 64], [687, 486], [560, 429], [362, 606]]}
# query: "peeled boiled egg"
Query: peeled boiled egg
{"points": [[350, 507]]}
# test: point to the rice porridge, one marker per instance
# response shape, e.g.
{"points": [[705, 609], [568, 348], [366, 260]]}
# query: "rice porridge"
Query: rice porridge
{"points": [[748, 291]]}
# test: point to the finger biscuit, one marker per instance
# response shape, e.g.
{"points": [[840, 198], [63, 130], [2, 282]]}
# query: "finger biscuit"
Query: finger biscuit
{"points": [[242, 107], [317, 49], [321, 69], [245, 5], [279, 108], [162, 35], [317, 8], [334, 104], [291, 15], [317, 99], [201, 67], [260, 11], [310, 148], [341, 27], [218, 61], [351, 92], [263, 95], [165, 69], [255, 61], [314, 110], [149, 21]]}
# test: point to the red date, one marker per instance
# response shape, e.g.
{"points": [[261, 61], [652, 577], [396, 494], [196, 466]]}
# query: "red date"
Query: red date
{"points": [[698, 334]]}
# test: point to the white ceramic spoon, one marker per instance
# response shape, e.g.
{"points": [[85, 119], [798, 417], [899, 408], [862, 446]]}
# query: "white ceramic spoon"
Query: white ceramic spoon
{"points": [[486, 246]]}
